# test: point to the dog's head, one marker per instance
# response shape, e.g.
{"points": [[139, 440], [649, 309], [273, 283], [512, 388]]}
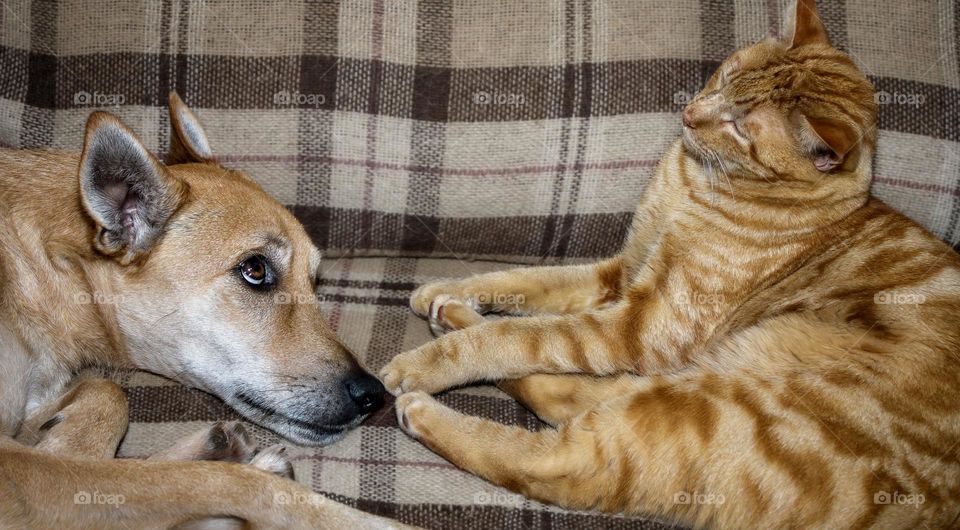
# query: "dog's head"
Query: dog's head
{"points": [[216, 282]]}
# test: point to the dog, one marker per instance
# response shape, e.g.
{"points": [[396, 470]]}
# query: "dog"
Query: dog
{"points": [[184, 269]]}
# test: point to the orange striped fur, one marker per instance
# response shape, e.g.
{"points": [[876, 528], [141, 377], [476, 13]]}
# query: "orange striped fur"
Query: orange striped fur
{"points": [[772, 349]]}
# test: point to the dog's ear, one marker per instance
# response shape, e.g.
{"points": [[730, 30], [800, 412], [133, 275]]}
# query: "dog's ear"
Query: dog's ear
{"points": [[125, 189], [188, 142]]}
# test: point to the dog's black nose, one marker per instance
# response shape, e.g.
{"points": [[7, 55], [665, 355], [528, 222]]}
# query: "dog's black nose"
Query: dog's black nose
{"points": [[366, 391]]}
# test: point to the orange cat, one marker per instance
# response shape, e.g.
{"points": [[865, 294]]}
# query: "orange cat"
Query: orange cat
{"points": [[772, 349]]}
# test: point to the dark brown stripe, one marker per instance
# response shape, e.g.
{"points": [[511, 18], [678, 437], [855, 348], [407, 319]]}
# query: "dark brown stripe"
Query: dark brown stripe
{"points": [[435, 167], [364, 300], [361, 284], [177, 403], [43, 67], [391, 308], [484, 517], [584, 90], [263, 77], [717, 36], [834, 17], [427, 139], [591, 234]]}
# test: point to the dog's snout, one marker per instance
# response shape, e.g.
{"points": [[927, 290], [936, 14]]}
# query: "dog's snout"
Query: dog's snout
{"points": [[366, 392]]}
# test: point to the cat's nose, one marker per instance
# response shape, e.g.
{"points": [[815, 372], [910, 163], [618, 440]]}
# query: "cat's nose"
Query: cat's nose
{"points": [[688, 118]]}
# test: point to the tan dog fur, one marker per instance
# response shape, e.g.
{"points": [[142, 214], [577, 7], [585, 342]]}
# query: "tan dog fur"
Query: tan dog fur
{"points": [[137, 267]]}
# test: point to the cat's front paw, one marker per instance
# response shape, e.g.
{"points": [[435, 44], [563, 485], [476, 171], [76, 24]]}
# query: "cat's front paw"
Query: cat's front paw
{"points": [[428, 298], [410, 407], [425, 369], [448, 313], [402, 373], [422, 299]]}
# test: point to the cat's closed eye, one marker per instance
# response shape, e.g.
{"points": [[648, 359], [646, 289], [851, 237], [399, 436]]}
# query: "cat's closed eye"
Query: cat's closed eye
{"points": [[738, 131]]}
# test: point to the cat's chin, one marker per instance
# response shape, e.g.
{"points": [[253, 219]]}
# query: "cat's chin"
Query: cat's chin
{"points": [[693, 148]]}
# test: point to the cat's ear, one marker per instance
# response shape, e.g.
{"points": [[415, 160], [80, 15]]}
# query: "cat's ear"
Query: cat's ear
{"points": [[835, 144], [188, 141], [129, 194], [803, 25]]}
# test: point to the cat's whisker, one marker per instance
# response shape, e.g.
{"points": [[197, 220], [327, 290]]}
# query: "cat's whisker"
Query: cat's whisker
{"points": [[713, 191], [723, 171], [708, 171]]}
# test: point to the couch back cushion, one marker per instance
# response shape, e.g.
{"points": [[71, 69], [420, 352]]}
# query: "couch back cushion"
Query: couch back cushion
{"points": [[523, 131]]}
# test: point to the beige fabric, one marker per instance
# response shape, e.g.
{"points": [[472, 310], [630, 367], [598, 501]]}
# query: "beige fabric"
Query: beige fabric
{"points": [[512, 130], [521, 131]]}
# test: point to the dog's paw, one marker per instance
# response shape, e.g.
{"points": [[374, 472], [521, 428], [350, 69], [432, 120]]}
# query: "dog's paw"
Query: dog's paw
{"points": [[229, 441], [410, 408], [274, 459]]}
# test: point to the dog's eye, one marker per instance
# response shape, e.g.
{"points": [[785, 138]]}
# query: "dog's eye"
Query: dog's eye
{"points": [[257, 272]]}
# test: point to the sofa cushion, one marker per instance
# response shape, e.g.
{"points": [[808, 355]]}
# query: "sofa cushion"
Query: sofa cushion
{"points": [[523, 131]]}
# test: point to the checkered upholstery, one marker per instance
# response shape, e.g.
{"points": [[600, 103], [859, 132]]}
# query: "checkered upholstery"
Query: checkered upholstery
{"points": [[396, 130]]}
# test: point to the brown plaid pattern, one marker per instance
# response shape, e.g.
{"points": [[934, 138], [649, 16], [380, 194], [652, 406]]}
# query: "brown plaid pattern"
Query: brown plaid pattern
{"points": [[519, 131]]}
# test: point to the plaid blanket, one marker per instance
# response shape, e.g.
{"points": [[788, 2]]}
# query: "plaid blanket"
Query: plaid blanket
{"points": [[511, 130], [521, 132]]}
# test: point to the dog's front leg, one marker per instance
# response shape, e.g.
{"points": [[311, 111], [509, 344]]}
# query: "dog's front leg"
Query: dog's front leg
{"points": [[49, 491], [88, 420]]}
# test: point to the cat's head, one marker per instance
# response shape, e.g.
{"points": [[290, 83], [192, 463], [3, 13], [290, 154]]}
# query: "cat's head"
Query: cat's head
{"points": [[794, 108]]}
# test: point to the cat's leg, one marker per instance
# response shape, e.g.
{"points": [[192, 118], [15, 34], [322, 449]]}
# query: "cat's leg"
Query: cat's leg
{"points": [[556, 290], [559, 289], [558, 398], [447, 313], [602, 342], [726, 451], [587, 463]]}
